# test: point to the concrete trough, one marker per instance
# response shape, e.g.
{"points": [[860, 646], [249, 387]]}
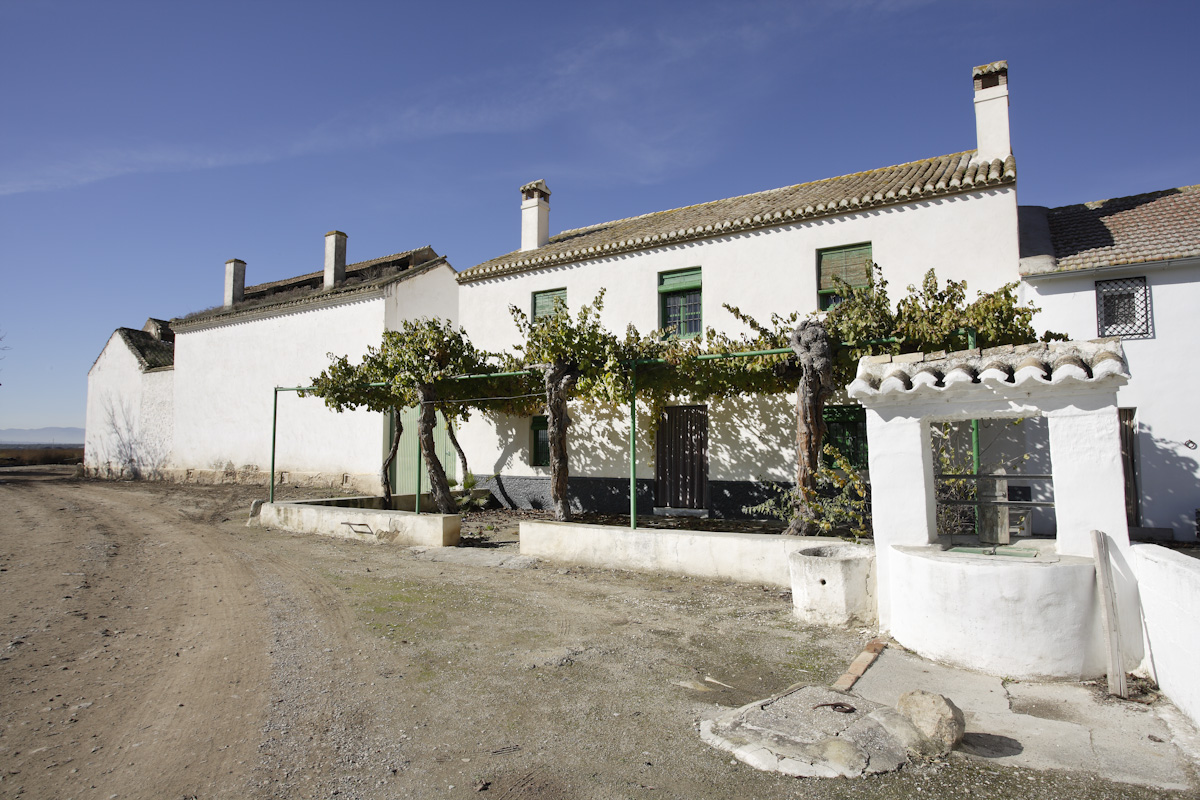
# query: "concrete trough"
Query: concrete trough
{"points": [[363, 519], [834, 584], [744, 557]]}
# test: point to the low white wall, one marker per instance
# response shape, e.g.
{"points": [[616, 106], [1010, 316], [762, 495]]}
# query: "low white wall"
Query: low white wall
{"points": [[1169, 584], [744, 557], [391, 527], [1021, 618]]}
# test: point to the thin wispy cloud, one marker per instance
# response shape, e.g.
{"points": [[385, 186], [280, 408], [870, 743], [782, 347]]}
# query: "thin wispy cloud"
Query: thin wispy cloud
{"points": [[600, 82]]}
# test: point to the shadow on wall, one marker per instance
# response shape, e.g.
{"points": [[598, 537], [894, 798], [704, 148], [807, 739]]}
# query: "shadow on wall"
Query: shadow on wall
{"points": [[1167, 484], [598, 440], [752, 438], [123, 452]]}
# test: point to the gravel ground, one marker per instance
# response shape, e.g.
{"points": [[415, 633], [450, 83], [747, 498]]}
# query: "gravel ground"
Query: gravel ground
{"points": [[153, 646]]}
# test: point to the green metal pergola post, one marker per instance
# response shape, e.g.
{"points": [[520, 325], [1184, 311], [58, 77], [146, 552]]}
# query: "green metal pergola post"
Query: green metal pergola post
{"points": [[274, 427], [633, 447], [417, 506]]}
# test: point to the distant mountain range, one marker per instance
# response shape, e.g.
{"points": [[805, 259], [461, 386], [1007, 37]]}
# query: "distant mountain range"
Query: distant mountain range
{"points": [[41, 435]]}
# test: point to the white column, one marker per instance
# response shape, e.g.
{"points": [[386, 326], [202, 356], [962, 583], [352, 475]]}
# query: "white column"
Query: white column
{"points": [[903, 509], [1089, 482], [1089, 494]]}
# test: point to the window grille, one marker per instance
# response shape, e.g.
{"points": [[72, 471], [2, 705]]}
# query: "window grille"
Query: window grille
{"points": [[681, 297], [846, 431], [1123, 308], [539, 430], [852, 264]]}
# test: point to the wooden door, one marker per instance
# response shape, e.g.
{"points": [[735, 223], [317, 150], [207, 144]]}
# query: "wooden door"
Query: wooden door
{"points": [[408, 454], [682, 480]]}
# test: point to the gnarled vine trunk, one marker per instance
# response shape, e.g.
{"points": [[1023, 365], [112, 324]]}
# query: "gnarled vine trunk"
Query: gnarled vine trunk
{"points": [[462, 457], [391, 457], [811, 343], [560, 381], [439, 487]]}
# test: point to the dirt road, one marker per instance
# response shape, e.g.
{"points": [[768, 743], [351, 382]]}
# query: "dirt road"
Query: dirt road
{"points": [[152, 646]]}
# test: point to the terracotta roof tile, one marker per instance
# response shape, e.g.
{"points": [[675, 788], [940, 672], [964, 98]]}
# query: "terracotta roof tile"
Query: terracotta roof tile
{"points": [[902, 183], [310, 288], [1127, 230], [151, 353]]}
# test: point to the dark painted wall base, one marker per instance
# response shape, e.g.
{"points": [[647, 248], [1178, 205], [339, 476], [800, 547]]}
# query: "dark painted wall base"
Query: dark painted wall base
{"points": [[611, 495]]}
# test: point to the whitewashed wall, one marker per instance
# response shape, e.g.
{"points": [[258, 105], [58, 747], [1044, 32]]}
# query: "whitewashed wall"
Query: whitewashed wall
{"points": [[129, 423], [225, 377], [1169, 584], [432, 294], [1163, 385], [971, 236]]}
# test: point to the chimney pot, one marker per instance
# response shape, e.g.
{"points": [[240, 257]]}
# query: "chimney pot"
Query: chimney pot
{"points": [[535, 215], [991, 112], [235, 281], [335, 259]]}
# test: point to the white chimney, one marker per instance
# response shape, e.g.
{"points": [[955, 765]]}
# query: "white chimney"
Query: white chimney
{"points": [[535, 215], [335, 259], [991, 111], [235, 281]]}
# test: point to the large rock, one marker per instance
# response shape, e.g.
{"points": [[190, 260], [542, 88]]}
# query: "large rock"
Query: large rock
{"points": [[935, 716]]}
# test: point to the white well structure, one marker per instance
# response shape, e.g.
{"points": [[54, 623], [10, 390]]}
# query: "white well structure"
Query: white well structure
{"points": [[1021, 617]]}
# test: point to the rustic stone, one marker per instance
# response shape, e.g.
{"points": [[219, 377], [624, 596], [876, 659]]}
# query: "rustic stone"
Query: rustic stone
{"points": [[935, 716]]}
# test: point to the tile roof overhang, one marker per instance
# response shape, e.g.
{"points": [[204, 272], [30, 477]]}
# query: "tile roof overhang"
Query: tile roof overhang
{"points": [[363, 279], [895, 185], [151, 353], [1139, 229], [1097, 363]]}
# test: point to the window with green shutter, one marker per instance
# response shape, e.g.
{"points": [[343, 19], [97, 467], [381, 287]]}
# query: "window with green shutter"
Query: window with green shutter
{"points": [[539, 434], [679, 295], [544, 303], [852, 264], [846, 430]]}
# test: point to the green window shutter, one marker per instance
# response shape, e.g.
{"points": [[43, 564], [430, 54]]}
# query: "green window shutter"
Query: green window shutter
{"points": [[539, 430], [852, 264], [544, 303], [679, 280]]}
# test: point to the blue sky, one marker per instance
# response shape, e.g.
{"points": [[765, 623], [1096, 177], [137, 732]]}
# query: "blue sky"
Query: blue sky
{"points": [[144, 144]]}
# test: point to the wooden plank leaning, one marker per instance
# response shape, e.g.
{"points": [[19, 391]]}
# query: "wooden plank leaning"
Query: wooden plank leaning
{"points": [[1108, 610]]}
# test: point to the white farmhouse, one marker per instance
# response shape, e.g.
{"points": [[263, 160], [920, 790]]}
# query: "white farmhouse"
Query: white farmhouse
{"points": [[773, 251], [1130, 267], [208, 417]]}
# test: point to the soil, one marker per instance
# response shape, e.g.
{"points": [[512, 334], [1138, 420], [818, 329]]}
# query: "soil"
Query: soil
{"points": [[153, 646]]}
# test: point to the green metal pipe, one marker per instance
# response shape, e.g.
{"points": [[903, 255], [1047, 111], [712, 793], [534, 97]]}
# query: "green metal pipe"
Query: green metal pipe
{"points": [[274, 427], [492, 375], [633, 447], [417, 506]]}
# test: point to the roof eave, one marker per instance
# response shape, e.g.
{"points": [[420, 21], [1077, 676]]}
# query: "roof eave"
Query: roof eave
{"points": [[758, 222], [1143, 265]]}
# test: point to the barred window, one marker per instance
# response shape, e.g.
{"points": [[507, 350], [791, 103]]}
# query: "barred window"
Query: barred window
{"points": [[680, 302], [539, 430], [1123, 308], [846, 430]]}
